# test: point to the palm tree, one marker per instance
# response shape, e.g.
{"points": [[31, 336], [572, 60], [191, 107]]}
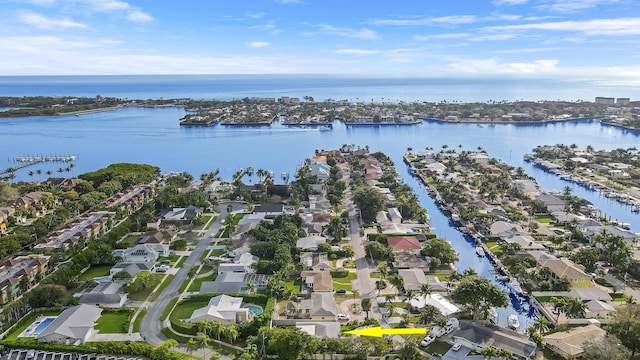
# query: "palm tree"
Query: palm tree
{"points": [[366, 305], [39, 172], [231, 332], [49, 172], [559, 303], [489, 352], [203, 342], [575, 308], [396, 281], [391, 309], [425, 290], [60, 170], [540, 326], [217, 329], [191, 346], [429, 315], [30, 173], [205, 327]]}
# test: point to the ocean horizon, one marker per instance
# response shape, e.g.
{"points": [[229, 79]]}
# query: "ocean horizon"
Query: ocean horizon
{"points": [[383, 88]]}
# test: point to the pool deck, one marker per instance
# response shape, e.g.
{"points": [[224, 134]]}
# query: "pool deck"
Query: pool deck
{"points": [[30, 331]]}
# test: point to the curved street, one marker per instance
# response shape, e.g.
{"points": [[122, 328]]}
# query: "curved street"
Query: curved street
{"points": [[151, 326]]}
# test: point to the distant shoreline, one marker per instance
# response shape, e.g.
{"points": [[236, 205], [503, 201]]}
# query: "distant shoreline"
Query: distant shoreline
{"points": [[483, 122]]}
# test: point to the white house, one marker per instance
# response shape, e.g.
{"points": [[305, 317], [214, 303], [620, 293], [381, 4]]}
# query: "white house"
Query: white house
{"points": [[223, 308], [144, 253], [72, 326]]}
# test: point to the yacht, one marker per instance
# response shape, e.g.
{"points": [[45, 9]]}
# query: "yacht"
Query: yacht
{"points": [[480, 251], [514, 322]]}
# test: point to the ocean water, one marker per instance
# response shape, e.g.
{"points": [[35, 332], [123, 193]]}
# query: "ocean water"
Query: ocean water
{"points": [[153, 135], [321, 87]]}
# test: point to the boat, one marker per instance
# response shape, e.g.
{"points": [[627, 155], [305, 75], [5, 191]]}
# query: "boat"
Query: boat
{"points": [[493, 316], [325, 128], [480, 251], [513, 322]]}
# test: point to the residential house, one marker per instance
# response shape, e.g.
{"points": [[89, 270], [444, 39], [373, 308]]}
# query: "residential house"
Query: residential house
{"points": [[234, 283], [322, 330], [316, 281], [480, 336], [310, 242], [131, 267], [145, 253], [131, 199], [321, 171], [35, 202], [106, 294], [410, 259], [566, 269], [72, 326], [502, 229], [321, 306], [317, 260], [404, 243], [552, 202], [413, 278], [570, 344], [270, 210], [223, 308], [5, 212], [438, 301], [80, 229], [526, 242]]}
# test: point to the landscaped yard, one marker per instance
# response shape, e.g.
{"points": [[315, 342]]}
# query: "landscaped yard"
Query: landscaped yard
{"points": [[494, 247], [294, 283], [185, 309], [342, 279], [197, 282], [114, 322], [545, 219], [438, 347], [143, 294], [95, 271]]}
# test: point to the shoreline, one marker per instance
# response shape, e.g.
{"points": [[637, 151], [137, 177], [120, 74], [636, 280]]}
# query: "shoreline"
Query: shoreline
{"points": [[506, 122], [90, 111]]}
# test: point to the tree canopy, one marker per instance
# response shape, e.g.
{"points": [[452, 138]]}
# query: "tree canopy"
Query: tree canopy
{"points": [[370, 201], [479, 294]]}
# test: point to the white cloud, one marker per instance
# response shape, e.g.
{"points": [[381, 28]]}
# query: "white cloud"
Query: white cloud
{"points": [[253, 15], [139, 16], [258, 44], [446, 20], [109, 5], [43, 22], [528, 50], [356, 51], [617, 27], [42, 2], [493, 66], [291, 2], [509, 2], [571, 6], [347, 32], [442, 36]]}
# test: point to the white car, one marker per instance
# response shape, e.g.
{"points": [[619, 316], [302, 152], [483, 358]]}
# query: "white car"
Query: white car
{"points": [[343, 317], [428, 340], [456, 346]]}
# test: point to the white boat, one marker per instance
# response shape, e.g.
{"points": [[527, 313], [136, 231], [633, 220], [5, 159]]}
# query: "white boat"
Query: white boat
{"points": [[480, 251], [513, 322], [493, 315]]}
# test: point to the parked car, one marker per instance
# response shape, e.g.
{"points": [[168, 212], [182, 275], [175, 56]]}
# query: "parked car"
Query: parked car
{"points": [[343, 317], [341, 291], [456, 346], [31, 354], [428, 340]]}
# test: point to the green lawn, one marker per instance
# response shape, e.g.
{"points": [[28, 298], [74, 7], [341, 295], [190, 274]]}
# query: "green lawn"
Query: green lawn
{"points": [[129, 241], [349, 264], [543, 299], [205, 219], [95, 271], [114, 322], [186, 308], [375, 275], [197, 282], [138, 320], [438, 347], [217, 252], [181, 261], [167, 279], [294, 283], [143, 294], [342, 279], [545, 219], [28, 320]]}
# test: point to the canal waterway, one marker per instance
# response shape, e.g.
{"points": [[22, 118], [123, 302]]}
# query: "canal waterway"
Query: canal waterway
{"points": [[153, 136]]}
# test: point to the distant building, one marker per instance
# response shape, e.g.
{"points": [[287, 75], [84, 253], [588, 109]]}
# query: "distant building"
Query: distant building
{"points": [[623, 101], [605, 100]]}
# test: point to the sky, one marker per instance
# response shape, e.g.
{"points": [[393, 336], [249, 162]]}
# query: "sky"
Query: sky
{"points": [[510, 38]]}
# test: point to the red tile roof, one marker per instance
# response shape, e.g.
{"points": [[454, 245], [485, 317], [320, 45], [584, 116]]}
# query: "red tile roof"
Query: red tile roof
{"points": [[404, 243]]}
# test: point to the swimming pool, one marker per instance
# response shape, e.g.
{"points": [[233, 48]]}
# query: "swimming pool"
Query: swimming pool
{"points": [[117, 253], [43, 325], [257, 310], [102, 279], [37, 327]]}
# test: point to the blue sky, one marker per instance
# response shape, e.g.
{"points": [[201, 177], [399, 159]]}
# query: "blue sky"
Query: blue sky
{"points": [[552, 38]]}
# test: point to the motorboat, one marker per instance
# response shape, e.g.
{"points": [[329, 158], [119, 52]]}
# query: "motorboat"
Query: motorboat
{"points": [[480, 251], [513, 322]]}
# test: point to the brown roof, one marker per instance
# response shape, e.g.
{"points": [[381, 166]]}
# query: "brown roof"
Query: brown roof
{"points": [[565, 268], [322, 280], [571, 342], [404, 242]]}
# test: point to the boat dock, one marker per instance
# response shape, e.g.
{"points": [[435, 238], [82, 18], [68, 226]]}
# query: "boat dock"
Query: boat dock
{"points": [[21, 162]]}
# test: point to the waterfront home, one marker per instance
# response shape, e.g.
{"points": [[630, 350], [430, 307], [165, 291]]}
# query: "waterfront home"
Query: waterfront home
{"points": [[527, 186], [316, 281], [438, 301], [106, 294], [479, 336], [409, 260], [501, 229], [404, 243], [223, 308], [526, 242], [570, 344], [552, 202], [132, 268], [321, 171], [73, 326]]}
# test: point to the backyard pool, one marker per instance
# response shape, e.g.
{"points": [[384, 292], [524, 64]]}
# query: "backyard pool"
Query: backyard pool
{"points": [[257, 310], [37, 327], [117, 253], [102, 279]]}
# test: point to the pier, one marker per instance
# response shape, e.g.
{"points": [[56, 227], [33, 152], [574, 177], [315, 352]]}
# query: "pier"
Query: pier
{"points": [[25, 161]]}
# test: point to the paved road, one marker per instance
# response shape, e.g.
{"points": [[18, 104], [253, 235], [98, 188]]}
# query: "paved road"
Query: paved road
{"points": [[151, 324]]}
